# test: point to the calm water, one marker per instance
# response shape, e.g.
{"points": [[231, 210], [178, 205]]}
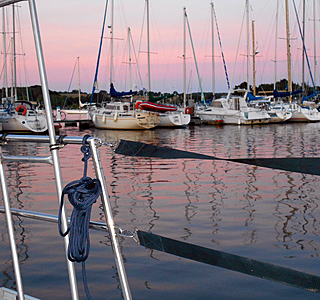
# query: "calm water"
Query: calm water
{"points": [[264, 214]]}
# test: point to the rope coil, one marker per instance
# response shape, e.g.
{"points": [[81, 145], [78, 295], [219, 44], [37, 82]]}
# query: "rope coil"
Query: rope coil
{"points": [[82, 194]]}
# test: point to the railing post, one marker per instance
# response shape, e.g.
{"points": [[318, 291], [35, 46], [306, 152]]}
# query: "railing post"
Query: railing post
{"points": [[13, 245], [52, 137], [110, 221]]}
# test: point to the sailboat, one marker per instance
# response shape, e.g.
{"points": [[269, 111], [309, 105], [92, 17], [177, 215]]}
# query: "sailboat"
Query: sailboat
{"points": [[234, 109], [82, 107], [299, 113], [120, 113], [170, 116], [18, 115]]}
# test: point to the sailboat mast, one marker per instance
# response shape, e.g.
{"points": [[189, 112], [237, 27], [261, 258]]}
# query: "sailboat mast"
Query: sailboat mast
{"points": [[315, 43], [5, 51], [111, 63], [276, 47], [212, 47], [248, 47], [288, 50], [79, 88], [14, 52], [148, 40], [303, 44], [184, 59], [129, 49], [253, 60]]}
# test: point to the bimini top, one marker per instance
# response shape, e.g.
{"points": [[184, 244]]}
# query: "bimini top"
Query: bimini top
{"points": [[8, 2]]}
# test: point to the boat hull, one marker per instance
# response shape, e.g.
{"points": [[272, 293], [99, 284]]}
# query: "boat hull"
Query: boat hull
{"points": [[140, 120], [27, 123], [174, 119], [235, 117], [279, 117]]}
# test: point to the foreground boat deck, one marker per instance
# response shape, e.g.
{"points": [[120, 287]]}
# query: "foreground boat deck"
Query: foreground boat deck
{"points": [[7, 294]]}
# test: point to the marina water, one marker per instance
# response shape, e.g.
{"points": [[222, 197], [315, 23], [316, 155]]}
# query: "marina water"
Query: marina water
{"points": [[263, 214]]}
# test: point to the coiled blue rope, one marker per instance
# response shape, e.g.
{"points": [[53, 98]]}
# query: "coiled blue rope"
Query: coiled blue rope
{"points": [[82, 194]]}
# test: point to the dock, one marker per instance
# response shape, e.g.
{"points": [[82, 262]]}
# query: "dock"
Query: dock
{"points": [[81, 123]]}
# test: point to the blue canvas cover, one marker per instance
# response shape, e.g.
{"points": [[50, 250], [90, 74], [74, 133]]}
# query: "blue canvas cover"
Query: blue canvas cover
{"points": [[115, 94]]}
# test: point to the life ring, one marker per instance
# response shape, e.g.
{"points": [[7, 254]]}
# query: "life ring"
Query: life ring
{"points": [[187, 110], [24, 110]]}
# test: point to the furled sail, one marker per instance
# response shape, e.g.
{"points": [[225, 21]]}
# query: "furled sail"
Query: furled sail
{"points": [[115, 94]]}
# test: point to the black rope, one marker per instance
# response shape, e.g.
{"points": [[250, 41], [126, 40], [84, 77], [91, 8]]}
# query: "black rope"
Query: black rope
{"points": [[82, 194]]}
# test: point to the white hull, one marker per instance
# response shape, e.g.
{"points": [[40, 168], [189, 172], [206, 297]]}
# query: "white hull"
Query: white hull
{"points": [[32, 121], [174, 119], [233, 111], [279, 117], [75, 111], [303, 114], [141, 120], [234, 117]]}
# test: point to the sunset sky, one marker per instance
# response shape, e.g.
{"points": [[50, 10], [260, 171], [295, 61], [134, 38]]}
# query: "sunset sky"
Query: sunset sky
{"points": [[71, 29]]}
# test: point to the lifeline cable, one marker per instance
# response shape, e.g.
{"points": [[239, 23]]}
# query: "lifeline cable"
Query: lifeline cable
{"points": [[82, 194]]}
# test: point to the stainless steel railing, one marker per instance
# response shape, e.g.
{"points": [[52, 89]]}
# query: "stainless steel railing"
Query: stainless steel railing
{"points": [[94, 144]]}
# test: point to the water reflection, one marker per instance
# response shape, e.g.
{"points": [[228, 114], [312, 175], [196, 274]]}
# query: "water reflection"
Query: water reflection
{"points": [[218, 204]]}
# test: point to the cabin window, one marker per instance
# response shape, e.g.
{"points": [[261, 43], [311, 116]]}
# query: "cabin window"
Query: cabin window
{"points": [[217, 104]]}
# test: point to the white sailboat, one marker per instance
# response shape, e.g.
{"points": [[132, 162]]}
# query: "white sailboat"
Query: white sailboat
{"points": [[82, 107], [176, 118], [234, 109], [299, 113], [18, 115], [119, 113]]}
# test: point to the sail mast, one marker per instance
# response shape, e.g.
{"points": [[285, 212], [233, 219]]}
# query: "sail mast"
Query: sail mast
{"points": [[248, 47], [288, 50], [14, 53], [276, 48], [79, 88], [129, 49], [212, 47], [315, 43], [303, 44], [148, 40], [111, 63], [184, 60], [253, 60], [5, 52]]}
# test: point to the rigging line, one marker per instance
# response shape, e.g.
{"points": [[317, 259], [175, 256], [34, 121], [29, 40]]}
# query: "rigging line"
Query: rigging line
{"points": [[135, 56], [195, 59], [304, 46], [95, 82], [222, 54]]}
